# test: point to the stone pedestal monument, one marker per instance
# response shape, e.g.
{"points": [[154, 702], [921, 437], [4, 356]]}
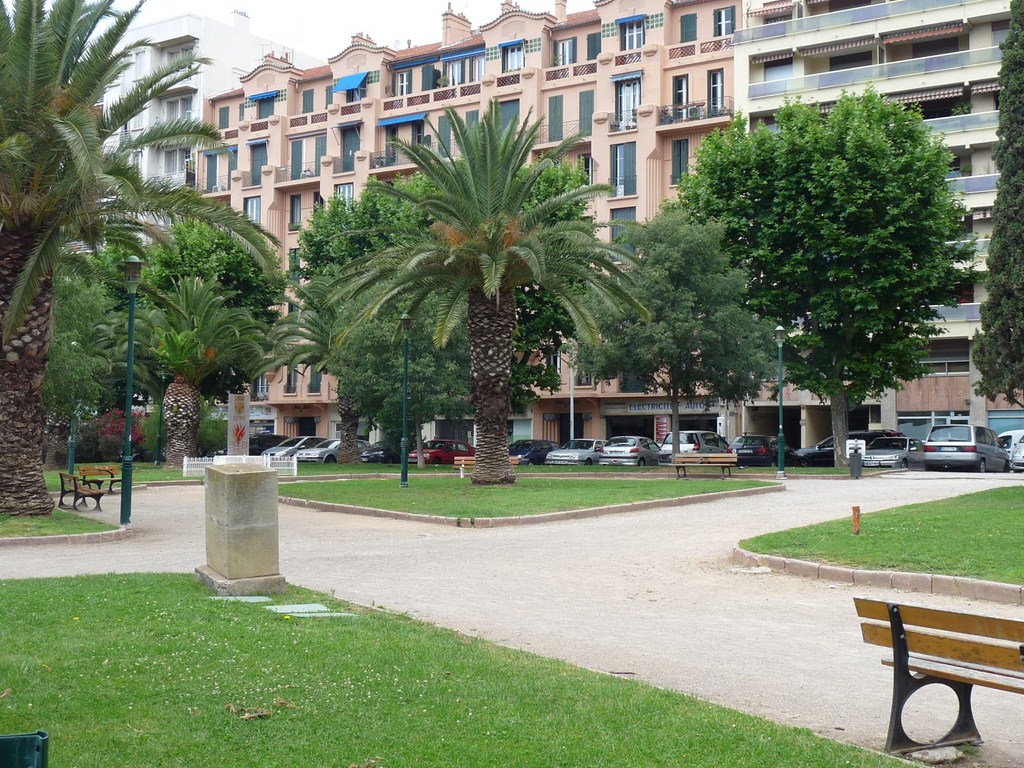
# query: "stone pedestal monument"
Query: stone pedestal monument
{"points": [[241, 531]]}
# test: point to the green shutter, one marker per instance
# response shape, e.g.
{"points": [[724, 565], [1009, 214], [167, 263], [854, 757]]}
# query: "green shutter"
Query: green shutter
{"points": [[555, 61], [223, 117], [688, 28], [680, 159], [307, 100], [730, 18], [296, 159], [509, 113], [319, 150], [430, 77], [444, 132], [472, 117], [241, 111], [211, 172], [629, 168], [329, 94], [232, 163], [349, 147], [593, 45], [555, 120], [259, 159], [586, 112]]}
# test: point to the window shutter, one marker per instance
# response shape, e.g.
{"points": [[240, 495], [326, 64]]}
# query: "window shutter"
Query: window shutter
{"points": [[472, 117], [307, 100], [241, 111], [296, 159], [211, 171], [555, 61], [319, 150], [688, 28], [509, 113], [572, 51], [232, 164], [444, 132], [349, 147], [593, 45], [680, 159], [430, 77], [730, 19], [629, 168], [586, 112], [329, 95], [555, 122], [223, 117]]}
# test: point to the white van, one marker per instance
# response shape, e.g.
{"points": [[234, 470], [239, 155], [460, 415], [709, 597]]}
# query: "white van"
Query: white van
{"points": [[1013, 441]]}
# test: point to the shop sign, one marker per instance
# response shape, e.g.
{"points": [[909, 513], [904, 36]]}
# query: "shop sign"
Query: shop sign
{"points": [[655, 407]]}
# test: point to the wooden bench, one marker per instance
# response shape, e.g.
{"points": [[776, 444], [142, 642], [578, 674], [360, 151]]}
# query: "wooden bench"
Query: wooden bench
{"points": [[462, 463], [958, 650], [79, 490], [724, 461], [98, 474]]}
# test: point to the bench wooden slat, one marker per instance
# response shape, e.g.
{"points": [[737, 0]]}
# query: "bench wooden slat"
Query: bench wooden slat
{"points": [[945, 647], [462, 463], [723, 461], [1010, 630]]}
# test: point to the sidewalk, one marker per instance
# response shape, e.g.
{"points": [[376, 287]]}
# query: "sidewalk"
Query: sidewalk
{"points": [[652, 595]]}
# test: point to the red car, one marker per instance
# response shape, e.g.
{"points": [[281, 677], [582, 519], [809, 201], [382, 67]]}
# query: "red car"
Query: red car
{"points": [[442, 451]]}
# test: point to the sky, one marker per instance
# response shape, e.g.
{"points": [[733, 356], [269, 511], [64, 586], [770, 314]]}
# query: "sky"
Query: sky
{"points": [[323, 29]]}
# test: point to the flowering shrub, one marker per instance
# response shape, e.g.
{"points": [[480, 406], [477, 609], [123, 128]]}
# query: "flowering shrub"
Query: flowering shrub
{"points": [[106, 431]]}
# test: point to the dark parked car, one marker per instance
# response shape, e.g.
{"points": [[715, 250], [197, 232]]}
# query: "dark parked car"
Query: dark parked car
{"points": [[532, 451], [380, 453], [760, 451], [260, 441], [823, 454]]}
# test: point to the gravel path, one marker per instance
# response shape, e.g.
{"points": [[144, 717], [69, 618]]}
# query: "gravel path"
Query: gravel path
{"points": [[651, 595]]}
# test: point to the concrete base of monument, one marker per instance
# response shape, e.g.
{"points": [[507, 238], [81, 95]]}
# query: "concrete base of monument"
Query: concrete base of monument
{"points": [[252, 585]]}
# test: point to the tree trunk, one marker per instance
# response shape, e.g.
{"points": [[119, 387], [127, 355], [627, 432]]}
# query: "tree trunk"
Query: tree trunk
{"points": [[22, 363], [58, 431], [491, 322], [840, 428], [181, 422], [349, 430]]}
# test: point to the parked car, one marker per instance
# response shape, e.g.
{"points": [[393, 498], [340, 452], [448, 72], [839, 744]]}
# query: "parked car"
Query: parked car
{"points": [[291, 445], [895, 452], [443, 451], [583, 451], [760, 451], [1012, 442], [260, 441], [380, 453], [326, 451], [630, 450], [693, 442], [531, 451], [964, 447], [823, 454]]}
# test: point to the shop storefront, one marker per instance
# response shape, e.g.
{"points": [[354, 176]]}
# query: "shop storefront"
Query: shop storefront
{"points": [[653, 417]]}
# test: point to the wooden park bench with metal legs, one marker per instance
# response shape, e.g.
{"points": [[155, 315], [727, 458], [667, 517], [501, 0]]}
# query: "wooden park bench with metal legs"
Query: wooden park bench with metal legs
{"points": [[79, 490], [724, 461]]}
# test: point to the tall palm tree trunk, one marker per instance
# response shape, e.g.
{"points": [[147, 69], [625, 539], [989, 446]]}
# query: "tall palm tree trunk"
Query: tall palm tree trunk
{"points": [[492, 323], [181, 422], [22, 363], [349, 430]]}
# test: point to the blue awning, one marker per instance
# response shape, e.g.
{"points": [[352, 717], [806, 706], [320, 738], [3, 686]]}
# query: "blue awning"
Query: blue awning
{"points": [[350, 82], [401, 120], [349, 124], [409, 63], [457, 55], [510, 43], [626, 76], [254, 142], [628, 19], [264, 95]]}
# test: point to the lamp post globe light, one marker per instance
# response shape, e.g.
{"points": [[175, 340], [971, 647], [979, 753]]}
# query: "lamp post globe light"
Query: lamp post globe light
{"points": [[406, 324], [132, 275], [780, 336]]}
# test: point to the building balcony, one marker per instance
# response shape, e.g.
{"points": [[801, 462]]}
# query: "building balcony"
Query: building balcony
{"points": [[182, 178], [343, 164], [966, 130], [389, 158], [622, 121], [971, 184], [552, 133], [261, 392], [215, 185], [695, 110], [301, 171]]}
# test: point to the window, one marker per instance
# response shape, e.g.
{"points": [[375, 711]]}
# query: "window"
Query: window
{"points": [[418, 133], [345, 191], [253, 209], [264, 108], [627, 101], [319, 150], [623, 166], [556, 129], [593, 45], [509, 113], [296, 153], [223, 117], [259, 159], [565, 51], [403, 82], [849, 61], [586, 112], [329, 95], [211, 173], [349, 147], [680, 91], [724, 21], [456, 72], [716, 91], [688, 28], [935, 47], [315, 377], [948, 357], [680, 159], [294, 264], [307, 100], [294, 211], [778, 70], [175, 161], [631, 35], [178, 109], [1000, 30], [588, 167], [241, 111], [355, 94], [512, 57], [621, 214], [444, 132], [472, 117], [430, 77], [291, 382]]}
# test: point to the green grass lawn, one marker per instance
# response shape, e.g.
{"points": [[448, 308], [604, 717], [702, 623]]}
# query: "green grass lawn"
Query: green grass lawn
{"points": [[455, 497], [146, 670], [980, 535], [60, 522]]}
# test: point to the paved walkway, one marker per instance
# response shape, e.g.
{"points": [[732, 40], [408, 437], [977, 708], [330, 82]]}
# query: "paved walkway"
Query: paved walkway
{"points": [[651, 595]]}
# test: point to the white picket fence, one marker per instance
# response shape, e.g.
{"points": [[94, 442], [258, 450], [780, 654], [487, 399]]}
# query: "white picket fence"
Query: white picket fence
{"points": [[285, 466]]}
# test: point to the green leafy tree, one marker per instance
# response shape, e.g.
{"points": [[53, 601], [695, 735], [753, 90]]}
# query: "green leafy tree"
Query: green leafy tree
{"points": [[999, 347], [844, 223], [482, 246], [700, 340], [67, 179]]}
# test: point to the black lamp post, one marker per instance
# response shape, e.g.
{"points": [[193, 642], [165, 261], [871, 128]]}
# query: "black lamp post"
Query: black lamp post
{"points": [[780, 336], [132, 275], [406, 324]]}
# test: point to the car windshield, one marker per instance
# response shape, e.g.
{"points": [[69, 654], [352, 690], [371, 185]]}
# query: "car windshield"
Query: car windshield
{"points": [[325, 444], [619, 441], [377, 447], [893, 443], [749, 440], [578, 445], [435, 444], [685, 438], [521, 445], [951, 433], [291, 442]]}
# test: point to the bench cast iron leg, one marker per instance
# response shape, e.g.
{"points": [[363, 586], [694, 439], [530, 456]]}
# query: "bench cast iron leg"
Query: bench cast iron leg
{"points": [[905, 684]]}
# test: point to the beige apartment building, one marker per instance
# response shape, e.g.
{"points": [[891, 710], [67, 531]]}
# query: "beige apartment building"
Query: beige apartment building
{"points": [[644, 81]]}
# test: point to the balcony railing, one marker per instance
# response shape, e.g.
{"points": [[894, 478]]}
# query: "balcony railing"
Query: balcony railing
{"points": [[389, 158], [968, 184], [216, 184], [876, 72], [252, 178], [970, 312], [344, 164], [180, 178], [310, 170], [261, 392], [979, 121], [559, 131], [695, 110], [624, 121]]}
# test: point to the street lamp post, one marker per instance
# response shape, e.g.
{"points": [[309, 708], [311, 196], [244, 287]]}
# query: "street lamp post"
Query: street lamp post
{"points": [[406, 324], [780, 335], [132, 274]]}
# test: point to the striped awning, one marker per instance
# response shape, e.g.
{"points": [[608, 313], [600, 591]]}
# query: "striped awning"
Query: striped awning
{"points": [[772, 9], [933, 94], [989, 87], [839, 45], [766, 57], [943, 30]]}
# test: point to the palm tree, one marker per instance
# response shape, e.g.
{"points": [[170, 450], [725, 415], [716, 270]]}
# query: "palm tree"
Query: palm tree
{"points": [[482, 246], [200, 342], [67, 179]]}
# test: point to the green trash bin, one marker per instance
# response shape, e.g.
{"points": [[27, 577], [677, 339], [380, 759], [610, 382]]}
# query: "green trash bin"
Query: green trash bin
{"points": [[24, 750]]}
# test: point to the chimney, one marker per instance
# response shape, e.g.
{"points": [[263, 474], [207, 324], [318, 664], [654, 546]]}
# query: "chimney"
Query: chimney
{"points": [[507, 6], [362, 39], [560, 10], [454, 27]]}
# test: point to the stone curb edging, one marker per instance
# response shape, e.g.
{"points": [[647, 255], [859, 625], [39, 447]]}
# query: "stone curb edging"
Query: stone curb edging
{"points": [[936, 584], [499, 522], [94, 537]]}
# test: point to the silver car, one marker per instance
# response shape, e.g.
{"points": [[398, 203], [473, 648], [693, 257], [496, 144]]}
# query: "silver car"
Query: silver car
{"points": [[291, 445], [964, 447], [630, 450], [693, 442], [895, 452], [326, 451], [584, 451]]}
